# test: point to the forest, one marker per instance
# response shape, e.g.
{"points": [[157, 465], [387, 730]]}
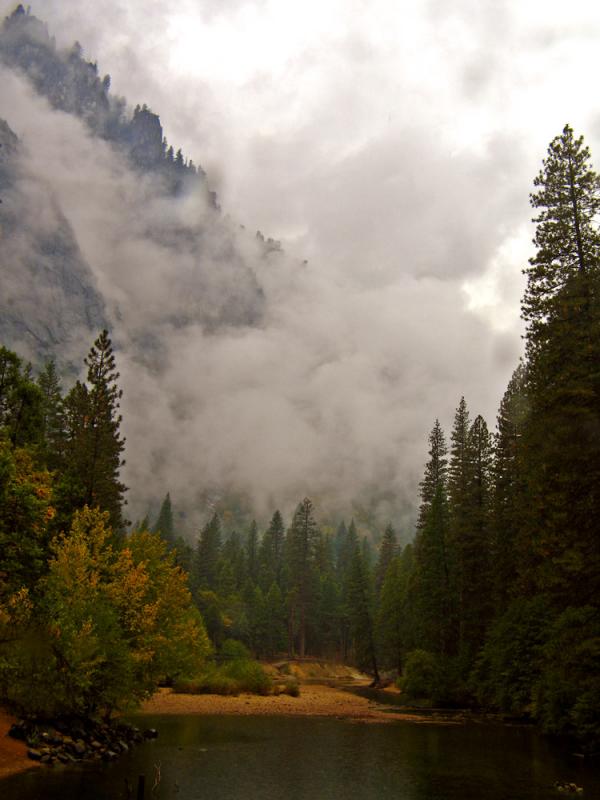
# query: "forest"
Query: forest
{"points": [[494, 604]]}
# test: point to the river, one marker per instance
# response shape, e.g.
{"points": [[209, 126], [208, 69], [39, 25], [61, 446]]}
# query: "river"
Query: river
{"points": [[282, 758]]}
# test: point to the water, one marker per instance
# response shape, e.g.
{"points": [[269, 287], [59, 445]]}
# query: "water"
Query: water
{"points": [[278, 758]]}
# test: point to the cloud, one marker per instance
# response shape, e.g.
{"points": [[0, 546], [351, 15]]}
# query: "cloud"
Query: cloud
{"points": [[394, 151]]}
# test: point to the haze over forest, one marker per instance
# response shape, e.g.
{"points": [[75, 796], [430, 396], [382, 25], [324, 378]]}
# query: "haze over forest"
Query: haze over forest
{"points": [[402, 214]]}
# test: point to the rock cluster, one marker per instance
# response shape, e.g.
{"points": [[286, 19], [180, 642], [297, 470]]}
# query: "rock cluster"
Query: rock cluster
{"points": [[68, 741]]}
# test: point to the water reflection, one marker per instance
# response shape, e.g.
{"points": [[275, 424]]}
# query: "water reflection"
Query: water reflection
{"points": [[269, 758]]}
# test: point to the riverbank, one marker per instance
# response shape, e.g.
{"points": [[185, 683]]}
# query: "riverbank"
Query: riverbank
{"points": [[13, 753], [315, 700]]}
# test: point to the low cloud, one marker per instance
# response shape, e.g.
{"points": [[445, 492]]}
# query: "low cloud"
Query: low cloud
{"points": [[397, 181]]}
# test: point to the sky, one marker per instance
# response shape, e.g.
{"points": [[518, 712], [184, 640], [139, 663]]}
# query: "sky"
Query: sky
{"points": [[391, 145]]}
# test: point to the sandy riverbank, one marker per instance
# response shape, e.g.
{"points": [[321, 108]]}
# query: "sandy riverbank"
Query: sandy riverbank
{"points": [[315, 700], [13, 754]]}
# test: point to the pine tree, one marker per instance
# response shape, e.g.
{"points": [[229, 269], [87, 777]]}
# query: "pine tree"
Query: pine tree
{"points": [[52, 431], [20, 401], [432, 565], [271, 553], [475, 544], [252, 552], [563, 274], [302, 541], [164, 523], [561, 442], [94, 444], [387, 551], [395, 615], [436, 471], [458, 518], [508, 496], [362, 625], [205, 567]]}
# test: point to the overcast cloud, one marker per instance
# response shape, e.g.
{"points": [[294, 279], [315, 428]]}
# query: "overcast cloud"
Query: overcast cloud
{"points": [[393, 146]]}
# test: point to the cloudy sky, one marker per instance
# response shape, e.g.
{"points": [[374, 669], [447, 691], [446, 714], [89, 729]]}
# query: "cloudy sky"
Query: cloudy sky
{"points": [[392, 145]]}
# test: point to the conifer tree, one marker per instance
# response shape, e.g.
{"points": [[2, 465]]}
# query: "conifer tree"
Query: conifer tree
{"points": [[508, 497], [436, 471], [302, 541], [474, 545], [206, 558], [164, 523], [52, 430], [252, 552], [458, 518], [561, 442], [362, 623], [94, 444], [271, 553], [395, 616], [387, 551]]}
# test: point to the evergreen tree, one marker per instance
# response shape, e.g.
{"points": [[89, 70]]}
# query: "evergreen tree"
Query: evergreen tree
{"points": [[387, 551], [302, 541], [508, 498], [252, 552], [458, 518], [20, 401], [432, 590], [164, 523], [561, 442], [206, 559], [94, 444], [436, 471], [474, 546], [395, 618], [360, 598], [52, 429], [271, 553]]}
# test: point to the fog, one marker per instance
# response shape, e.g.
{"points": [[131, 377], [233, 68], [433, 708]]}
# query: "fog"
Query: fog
{"points": [[319, 371]]}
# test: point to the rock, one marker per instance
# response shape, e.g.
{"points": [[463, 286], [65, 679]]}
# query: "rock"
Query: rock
{"points": [[34, 755], [18, 730], [150, 733], [79, 748]]}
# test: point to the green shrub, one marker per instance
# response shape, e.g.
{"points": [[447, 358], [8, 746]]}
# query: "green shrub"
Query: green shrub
{"points": [[232, 650], [291, 687], [421, 677], [429, 677], [237, 673]]}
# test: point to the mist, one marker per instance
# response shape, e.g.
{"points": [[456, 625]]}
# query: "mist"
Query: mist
{"points": [[320, 370]]}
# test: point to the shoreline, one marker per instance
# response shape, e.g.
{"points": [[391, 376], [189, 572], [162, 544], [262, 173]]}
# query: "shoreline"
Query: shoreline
{"points": [[315, 700], [13, 753]]}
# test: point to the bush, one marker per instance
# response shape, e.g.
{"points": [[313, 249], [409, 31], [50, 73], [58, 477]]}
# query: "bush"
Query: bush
{"points": [[428, 676], [232, 650], [422, 675], [238, 673], [291, 687]]}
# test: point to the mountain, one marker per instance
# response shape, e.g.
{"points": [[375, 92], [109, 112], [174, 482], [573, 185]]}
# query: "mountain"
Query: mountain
{"points": [[49, 300], [56, 286]]}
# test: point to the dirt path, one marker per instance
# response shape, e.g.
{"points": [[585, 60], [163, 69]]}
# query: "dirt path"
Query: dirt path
{"points": [[315, 700], [13, 754]]}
